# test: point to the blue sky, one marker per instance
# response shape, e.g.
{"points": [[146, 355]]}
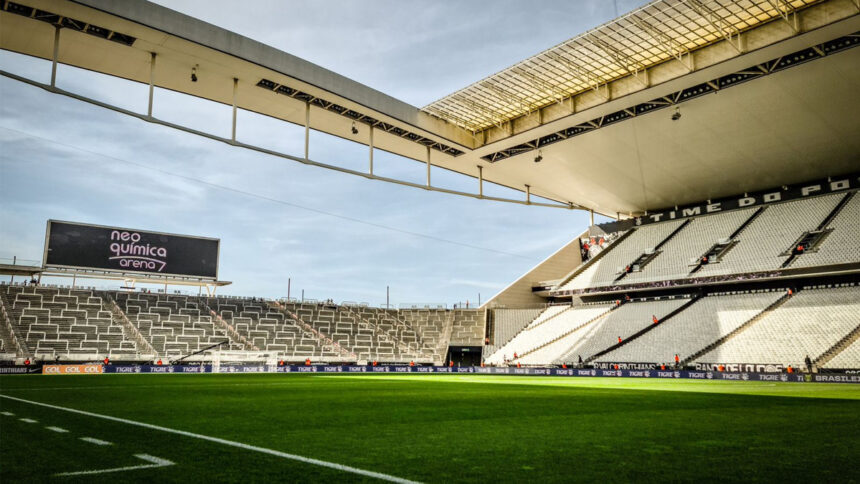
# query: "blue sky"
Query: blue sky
{"points": [[336, 236]]}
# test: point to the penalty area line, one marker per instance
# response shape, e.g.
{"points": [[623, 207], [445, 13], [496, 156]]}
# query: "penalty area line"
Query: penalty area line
{"points": [[155, 462], [229, 443]]}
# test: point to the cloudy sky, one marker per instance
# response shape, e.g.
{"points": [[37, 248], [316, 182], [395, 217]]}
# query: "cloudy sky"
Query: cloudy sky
{"points": [[336, 236]]}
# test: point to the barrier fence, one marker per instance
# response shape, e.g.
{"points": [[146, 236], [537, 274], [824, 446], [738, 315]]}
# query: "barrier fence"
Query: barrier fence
{"points": [[557, 372]]}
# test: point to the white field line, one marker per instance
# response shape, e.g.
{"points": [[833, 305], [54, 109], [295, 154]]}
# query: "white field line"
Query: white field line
{"points": [[28, 420], [59, 430], [229, 443], [8, 414], [95, 441], [156, 462]]}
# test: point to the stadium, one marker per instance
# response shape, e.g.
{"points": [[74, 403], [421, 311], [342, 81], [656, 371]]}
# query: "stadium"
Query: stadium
{"points": [[700, 323]]}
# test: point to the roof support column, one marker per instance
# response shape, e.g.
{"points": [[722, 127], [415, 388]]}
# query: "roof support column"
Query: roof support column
{"points": [[307, 130], [428, 167], [528, 194], [235, 89], [151, 83], [56, 54], [480, 181], [591, 217], [371, 150]]}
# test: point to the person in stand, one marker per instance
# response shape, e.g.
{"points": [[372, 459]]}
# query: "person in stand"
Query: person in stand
{"points": [[564, 366], [158, 362], [789, 369], [281, 363], [619, 339], [374, 363], [654, 319], [515, 355], [307, 362], [412, 363], [451, 364], [27, 362], [519, 365], [106, 361], [677, 360], [579, 357], [808, 363], [662, 366], [721, 368]]}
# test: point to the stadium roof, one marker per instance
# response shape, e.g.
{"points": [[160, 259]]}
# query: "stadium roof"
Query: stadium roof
{"points": [[596, 109], [660, 31]]}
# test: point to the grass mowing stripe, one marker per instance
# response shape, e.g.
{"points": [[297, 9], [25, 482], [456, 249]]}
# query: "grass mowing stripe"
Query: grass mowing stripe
{"points": [[95, 441], [240, 445]]}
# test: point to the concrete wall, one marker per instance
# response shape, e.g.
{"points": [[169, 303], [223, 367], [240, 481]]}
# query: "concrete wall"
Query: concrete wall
{"points": [[556, 266]]}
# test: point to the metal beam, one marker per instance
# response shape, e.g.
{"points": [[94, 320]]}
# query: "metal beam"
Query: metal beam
{"points": [[428, 167], [56, 54], [307, 129], [259, 149], [370, 145], [235, 90], [151, 83]]}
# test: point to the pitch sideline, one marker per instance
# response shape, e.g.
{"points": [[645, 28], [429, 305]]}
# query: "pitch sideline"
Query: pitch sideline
{"points": [[230, 443]]}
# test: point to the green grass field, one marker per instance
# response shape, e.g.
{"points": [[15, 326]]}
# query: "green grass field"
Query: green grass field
{"points": [[428, 428]]}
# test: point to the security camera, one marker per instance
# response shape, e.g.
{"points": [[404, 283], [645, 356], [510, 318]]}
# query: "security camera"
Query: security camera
{"points": [[677, 114], [539, 157]]}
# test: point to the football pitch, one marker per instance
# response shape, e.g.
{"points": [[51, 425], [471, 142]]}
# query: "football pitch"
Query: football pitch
{"points": [[423, 428]]}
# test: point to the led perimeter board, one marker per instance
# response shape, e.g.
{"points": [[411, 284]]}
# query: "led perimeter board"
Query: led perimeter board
{"points": [[72, 245]]}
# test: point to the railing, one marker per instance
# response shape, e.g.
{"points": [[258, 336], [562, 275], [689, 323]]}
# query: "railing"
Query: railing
{"points": [[228, 328], [307, 327], [137, 337]]}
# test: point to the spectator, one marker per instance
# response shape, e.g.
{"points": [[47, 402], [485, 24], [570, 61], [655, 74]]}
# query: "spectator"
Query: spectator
{"points": [[27, 362], [619, 339], [158, 362], [580, 359], [106, 361], [789, 369], [808, 363], [307, 362], [515, 355], [451, 364], [412, 363], [654, 319], [677, 360]]}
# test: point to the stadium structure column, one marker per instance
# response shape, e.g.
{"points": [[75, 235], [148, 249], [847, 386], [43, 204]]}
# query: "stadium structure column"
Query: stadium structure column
{"points": [[428, 167], [591, 217], [528, 194], [56, 54], [307, 129], [371, 150], [480, 181], [151, 83], [235, 89]]}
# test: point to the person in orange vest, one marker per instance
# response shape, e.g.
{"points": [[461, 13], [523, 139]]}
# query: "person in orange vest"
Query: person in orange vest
{"points": [[482, 364], [158, 362], [662, 366], [616, 366], [27, 362], [106, 361], [374, 362], [451, 363], [790, 292], [654, 318], [307, 362], [519, 365], [619, 339], [564, 366], [281, 363], [411, 363], [721, 368], [789, 369]]}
